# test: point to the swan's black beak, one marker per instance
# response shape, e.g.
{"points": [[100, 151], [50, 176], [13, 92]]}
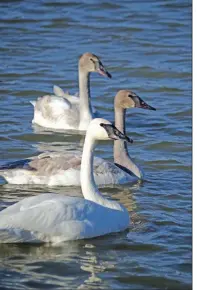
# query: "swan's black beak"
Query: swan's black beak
{"points": [[102, 70], [114, 133], [143, 105]]}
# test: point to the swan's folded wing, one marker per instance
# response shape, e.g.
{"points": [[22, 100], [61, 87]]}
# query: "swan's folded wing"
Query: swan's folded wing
{"points": [[52, 163], [45, 164], [42, 213], [74, 100], [52, 107], [59, 92], [45, 216], [56, 112], [102, 166]]}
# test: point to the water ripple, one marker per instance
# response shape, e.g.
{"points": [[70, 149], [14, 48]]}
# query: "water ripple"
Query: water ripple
{"points": [[146, 45]]}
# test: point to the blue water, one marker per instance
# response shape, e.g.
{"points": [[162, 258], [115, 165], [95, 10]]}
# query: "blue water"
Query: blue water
{"points": [[146, 46]]}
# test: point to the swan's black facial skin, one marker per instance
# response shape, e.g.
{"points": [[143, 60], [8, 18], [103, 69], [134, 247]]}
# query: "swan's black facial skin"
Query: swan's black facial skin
{"points": [[114, 133], [139, 103], [99, 67]]}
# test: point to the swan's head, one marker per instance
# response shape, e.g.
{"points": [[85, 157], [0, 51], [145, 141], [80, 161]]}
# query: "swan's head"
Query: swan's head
{"points": [[101, 129], [91, 63], [127, 99]]}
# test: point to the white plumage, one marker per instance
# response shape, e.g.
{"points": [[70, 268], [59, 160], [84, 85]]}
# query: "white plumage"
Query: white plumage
{"points": [[64, 111], [54, 218]]}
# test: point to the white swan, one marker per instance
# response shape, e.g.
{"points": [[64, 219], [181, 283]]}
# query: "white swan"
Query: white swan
{"points": [[63, 169], [56, 218], [69, 112]]}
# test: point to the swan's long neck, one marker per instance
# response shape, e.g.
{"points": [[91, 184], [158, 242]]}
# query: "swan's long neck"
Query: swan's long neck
{"points": [[85, 105], [121, 154], [88, 186]]}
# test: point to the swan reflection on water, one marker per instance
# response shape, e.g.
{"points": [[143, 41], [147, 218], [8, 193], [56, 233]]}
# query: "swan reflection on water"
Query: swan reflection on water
{"points": [[70, 258]]}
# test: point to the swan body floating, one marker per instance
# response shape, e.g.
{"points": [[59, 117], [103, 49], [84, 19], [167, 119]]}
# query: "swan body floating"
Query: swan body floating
{"points": [[63, 169], [56, 218], [69, 112]]}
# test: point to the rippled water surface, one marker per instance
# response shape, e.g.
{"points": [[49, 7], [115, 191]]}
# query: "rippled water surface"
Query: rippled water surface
{"points": [[146, 45]]}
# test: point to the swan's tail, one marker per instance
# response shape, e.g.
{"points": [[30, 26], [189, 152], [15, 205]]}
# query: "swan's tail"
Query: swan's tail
{"points": [[33, 103]]}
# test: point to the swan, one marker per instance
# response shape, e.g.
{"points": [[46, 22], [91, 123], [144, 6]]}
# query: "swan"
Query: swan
{"points": [[56, 218], [62, 111], [63, 169]]}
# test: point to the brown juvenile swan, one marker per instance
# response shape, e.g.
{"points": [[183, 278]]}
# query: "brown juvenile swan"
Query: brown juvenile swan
{"points": [[60, 112], [55, 168]]}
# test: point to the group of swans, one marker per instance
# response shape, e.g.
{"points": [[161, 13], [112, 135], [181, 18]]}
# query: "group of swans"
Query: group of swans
{"points": [[55, 168], [55, 218]]}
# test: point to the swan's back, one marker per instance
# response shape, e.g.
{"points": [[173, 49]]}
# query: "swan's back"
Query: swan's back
{"points": [[46, 105], [56, 112]]}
